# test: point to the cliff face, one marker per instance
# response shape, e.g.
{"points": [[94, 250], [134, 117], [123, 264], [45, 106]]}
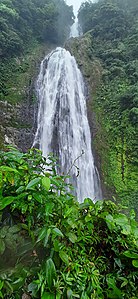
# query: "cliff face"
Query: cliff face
{"points": [[18, 105], [17, 123]]}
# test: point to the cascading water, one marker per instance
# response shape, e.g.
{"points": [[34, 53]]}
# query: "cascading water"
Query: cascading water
{"points": [[74, 31], [62, 122]]}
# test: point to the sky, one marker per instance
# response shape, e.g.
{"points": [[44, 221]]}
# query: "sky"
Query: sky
{"points": [[76, 4]]}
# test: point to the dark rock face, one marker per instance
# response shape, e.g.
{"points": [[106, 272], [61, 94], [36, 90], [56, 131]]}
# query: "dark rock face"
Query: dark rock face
{"points": [[26, 117], [18, 123]]}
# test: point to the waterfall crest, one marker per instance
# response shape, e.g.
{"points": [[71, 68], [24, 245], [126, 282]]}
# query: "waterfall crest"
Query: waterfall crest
{"points": [[62, 122]]}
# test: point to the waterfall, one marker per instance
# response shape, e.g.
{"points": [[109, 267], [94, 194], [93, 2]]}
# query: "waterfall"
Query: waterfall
{"points": [[74, 31], [62, 122]]}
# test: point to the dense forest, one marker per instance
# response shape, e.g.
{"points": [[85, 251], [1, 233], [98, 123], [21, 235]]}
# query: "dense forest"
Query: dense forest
{"points": [[113, 31], [22, 21], [52, 247]]}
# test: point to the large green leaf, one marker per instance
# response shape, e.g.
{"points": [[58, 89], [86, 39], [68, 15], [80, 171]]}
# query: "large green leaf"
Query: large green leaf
{"points": [[42, 234], [126, 229], [50, 272], [135, 263], [121, 219], [8, 169], [110, 222], [38, 197], [57, 232], [130, 254], [113, 291], [47, 236], [72, 237], [5, 201], [46, 183], [33, 183], [64, 257], [20, 189]]}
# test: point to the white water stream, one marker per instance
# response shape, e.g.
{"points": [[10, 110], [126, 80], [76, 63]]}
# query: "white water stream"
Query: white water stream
{"points": [[62, 121], [74, 31]]}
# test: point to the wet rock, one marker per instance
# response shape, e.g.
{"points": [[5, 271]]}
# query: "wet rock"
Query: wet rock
{"points": [[18, 124]]}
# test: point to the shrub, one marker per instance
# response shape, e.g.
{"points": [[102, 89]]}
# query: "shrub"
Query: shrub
{"points": [[59, 248]]}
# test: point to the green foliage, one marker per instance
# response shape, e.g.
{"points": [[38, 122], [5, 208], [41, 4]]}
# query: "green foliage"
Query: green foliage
{"points": [[23, 21], [62, 249], [108, 20], [113, 29]]}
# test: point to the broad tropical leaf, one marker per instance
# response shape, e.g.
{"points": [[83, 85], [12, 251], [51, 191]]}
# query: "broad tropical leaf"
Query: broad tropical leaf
{"points": [[50, 272]]}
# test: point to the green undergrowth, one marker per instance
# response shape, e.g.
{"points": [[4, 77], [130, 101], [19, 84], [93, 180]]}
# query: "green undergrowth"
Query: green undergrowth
{"points": [[53, 247]]}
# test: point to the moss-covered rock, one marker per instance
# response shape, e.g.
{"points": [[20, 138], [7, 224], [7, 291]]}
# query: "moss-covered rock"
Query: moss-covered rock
{"points": [[18, 105]]}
